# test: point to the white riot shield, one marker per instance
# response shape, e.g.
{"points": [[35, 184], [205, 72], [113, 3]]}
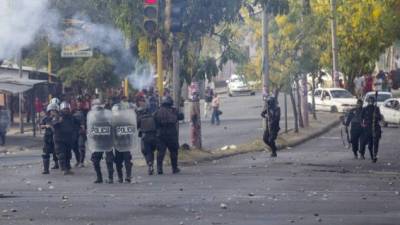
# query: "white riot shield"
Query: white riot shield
{"points": [[125, 130], [5, 120], [99, 130]]}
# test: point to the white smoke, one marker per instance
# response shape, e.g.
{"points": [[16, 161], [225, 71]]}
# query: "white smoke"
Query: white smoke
{"points": [[143, 76], [21, 21]]}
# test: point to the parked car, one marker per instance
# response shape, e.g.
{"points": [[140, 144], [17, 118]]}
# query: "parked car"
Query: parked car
{"points": [[382, 96], [237, 85], [390, 110], [332, 100]]}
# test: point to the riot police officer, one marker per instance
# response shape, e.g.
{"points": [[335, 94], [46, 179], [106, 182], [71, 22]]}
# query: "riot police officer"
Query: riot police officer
{"points": [[353, 119], [370, 117], [65, 127], [100, 140], [166, 118], [48, 147], [147, 131], [124, 127], [272, 115]]}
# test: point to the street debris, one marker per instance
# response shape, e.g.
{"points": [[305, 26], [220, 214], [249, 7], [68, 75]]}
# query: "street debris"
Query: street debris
{"points": [[223, 206]]}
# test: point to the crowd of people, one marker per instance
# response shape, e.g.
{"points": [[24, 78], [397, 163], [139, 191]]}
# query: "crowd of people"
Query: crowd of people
{"points": [[383, 81], [111, 128]]}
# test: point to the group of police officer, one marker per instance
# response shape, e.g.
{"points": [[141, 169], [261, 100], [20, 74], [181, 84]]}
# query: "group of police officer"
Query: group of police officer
{"points": [[113, 132], [363, 121], [365, 128]]}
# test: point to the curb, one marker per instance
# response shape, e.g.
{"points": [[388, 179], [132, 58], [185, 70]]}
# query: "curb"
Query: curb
{"points": [[289, 143]]}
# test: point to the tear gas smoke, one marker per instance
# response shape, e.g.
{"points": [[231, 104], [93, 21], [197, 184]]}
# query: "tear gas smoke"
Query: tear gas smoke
{"points": [[143, 76], [21, 21]]}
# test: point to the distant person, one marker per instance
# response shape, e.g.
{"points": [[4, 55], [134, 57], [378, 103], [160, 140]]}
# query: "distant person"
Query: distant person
{"points": [[353, 119], [48, 141], [38, 108], [216, 112], [209, 93], [65, 126], [4, 124], [368, 84], [166, 119], [272, 115], [372, 133], [147, 128], [358, 86]]}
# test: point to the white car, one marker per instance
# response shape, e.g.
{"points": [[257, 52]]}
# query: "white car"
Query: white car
{"points": [[382, 96], [237, 85], [332, 100], [390, 110]]}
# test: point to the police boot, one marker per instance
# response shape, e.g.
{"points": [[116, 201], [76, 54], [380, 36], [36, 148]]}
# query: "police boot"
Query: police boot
{"points": [[150, 169], [110, 169], [160, 167], [120, 175], [128, 167], [67, 170], [56, 166], [174, 164], [97, 169], [46, 165]]}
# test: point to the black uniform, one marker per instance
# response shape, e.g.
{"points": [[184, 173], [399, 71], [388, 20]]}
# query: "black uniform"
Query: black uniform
{"points": [[370, 117], [79, 146], [48, 147], [64, 127], [96, 159], [272, 116], [121, 159], [148, 133], [166, 121], [353, 119]]}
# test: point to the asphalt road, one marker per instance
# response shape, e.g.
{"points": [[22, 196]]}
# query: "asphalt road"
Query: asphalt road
{"points": [[241, 120], [315, 183]]}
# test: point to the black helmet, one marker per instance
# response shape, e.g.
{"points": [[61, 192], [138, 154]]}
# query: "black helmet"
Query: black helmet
{"points": [[271, 101], [371, 99], [167, 101]]}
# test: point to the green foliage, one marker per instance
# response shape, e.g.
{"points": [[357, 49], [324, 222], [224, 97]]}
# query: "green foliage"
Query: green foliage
{"points": [[95, 72]]}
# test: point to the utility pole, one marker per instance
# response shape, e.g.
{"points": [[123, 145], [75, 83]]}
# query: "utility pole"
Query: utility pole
{"points": [[160, 71], [304, 83], [265, 55], [20, 103], [49, 67], [335, 58], [175, 72]]}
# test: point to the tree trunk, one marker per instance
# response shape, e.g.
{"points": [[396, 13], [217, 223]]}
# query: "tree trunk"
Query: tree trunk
{"points": [[301, 124], [313, 97], [265, 23], [292, 99], [195, 123], [304, 100]]}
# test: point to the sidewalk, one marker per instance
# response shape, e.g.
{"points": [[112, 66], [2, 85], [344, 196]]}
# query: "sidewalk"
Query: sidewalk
{"points": [[325, 122]]}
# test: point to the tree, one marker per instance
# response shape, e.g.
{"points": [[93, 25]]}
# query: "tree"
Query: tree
{"points": [[365, 29]]}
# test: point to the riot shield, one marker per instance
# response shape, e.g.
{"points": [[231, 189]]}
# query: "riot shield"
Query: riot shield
{"points": [[125, 130], [5, 120], [99, 130]]}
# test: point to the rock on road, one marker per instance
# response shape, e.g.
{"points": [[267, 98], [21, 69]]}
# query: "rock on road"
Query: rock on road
{"points": [[315, 183]]}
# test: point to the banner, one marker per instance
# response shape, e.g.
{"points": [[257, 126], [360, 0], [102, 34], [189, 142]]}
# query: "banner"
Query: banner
{"points": [[73, 45]]}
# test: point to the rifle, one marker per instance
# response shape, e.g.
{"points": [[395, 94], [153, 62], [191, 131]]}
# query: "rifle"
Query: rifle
{"points": [[373, 122]]}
